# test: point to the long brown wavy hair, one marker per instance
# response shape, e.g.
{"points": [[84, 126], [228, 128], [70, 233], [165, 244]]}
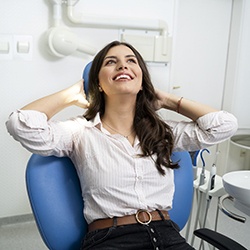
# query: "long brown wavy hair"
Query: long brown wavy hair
{"points": [[156, 136]]}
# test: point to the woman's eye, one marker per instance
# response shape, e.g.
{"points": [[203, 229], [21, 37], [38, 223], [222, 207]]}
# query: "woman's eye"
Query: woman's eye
{"points": [[132, 60], [110, 62]]}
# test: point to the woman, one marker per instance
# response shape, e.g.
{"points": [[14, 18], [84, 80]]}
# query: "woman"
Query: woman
{"points": [[121, 148]]}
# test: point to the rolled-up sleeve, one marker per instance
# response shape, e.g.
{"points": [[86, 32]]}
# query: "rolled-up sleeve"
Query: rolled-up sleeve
{"points": [[38, 135], [208, 130]]}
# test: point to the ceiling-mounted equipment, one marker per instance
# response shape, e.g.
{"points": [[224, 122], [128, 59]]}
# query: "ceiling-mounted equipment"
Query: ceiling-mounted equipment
{"points": [[61, 40]]}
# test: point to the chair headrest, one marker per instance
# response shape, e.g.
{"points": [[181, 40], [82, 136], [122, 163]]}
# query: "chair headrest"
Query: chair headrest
{"points": [[85, 76]]}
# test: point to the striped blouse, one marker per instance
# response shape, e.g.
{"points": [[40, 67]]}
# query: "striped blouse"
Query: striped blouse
{"points": [[114, 180]]}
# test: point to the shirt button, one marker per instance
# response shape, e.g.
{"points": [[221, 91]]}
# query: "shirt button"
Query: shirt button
{"points": [[139, 178], [154, 239], [152, 230]]}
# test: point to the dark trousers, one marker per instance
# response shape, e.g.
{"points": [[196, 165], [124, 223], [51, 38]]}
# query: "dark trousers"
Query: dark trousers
{"points": [[158, 235]]}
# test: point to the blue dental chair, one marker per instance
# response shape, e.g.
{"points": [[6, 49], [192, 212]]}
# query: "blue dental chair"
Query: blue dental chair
{"points": [[55, 196]]}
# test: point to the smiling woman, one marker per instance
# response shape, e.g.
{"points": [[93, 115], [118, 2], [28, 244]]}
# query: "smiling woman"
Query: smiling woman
{"points": [[121, 148], [129, 104]]}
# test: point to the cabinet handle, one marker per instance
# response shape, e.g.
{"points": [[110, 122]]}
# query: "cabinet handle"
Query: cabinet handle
{"points": [[176, 87]]}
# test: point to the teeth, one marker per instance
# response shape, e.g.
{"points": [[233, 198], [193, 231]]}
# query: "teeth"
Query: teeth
{"points": [[123, 77]]}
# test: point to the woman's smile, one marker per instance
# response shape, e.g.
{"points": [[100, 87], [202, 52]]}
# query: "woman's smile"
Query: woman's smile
{"points": [[123, 77]]}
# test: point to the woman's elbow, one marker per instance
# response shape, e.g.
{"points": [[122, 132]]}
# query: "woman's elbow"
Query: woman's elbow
{"points": [[11, 124]]}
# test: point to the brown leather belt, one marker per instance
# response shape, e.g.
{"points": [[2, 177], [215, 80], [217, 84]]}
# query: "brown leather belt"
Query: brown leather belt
{"points": [[142, 216]]}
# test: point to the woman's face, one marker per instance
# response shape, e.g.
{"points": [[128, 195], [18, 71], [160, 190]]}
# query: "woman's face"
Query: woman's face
{"points": [[120, 73]]}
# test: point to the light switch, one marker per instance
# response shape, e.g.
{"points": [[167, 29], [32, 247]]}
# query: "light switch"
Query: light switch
{"points": [[16, 47], [23, 47], [4, 47]]}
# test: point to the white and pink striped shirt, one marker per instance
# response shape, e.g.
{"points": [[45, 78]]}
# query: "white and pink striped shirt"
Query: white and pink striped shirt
{"points": [[114, 180]]}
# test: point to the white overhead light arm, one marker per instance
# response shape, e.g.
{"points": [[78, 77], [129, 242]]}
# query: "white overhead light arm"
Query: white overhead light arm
{"points": [[118, 23]]}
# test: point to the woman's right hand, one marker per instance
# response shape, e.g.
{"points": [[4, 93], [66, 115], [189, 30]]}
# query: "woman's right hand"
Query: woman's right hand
{"points": [[78, 95]]}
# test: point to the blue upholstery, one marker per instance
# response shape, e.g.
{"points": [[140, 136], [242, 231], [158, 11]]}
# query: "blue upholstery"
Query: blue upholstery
{"points": [[183, 196], [55, 197], [85, 76]]}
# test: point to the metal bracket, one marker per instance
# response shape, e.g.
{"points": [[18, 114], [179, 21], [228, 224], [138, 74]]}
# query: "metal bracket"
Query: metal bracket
{"points": [[227, 212]]}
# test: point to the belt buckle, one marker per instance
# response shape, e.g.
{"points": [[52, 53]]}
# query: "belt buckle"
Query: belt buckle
{"points": [[142, 222]]}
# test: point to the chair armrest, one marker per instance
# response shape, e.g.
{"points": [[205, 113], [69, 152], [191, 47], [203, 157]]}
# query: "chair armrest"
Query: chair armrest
{"points": [[218, 240]]}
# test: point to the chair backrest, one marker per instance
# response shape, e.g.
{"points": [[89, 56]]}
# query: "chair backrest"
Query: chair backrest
{"points": [[55, 196], [183, 196]]}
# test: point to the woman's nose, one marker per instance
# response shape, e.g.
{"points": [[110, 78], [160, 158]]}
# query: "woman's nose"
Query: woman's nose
{"points": [[121, 66]]}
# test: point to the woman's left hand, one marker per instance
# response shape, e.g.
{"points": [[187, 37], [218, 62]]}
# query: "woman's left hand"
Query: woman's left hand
{"points": [[162, 98], [188, 108]]}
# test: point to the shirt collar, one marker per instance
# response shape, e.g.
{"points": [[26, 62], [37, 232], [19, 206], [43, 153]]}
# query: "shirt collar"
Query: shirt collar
{"points": [[96, 122]]}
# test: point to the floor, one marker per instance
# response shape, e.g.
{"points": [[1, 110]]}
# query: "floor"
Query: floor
{"points": [[21, 233]]}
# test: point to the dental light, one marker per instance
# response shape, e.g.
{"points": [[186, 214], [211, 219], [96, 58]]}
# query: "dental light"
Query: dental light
{"points": [[63, 42]]}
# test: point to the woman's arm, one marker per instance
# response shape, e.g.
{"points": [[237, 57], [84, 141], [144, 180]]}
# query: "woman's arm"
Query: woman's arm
{"points": [[209, 126], [208, 130], [188, 108], [52, 104], [30, 125]]}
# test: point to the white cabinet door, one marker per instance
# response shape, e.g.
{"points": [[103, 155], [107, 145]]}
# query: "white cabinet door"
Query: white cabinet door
{"points": [[200, 47]]}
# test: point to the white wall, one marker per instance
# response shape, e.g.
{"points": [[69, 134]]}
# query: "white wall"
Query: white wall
{"points": [[200, 32]]}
